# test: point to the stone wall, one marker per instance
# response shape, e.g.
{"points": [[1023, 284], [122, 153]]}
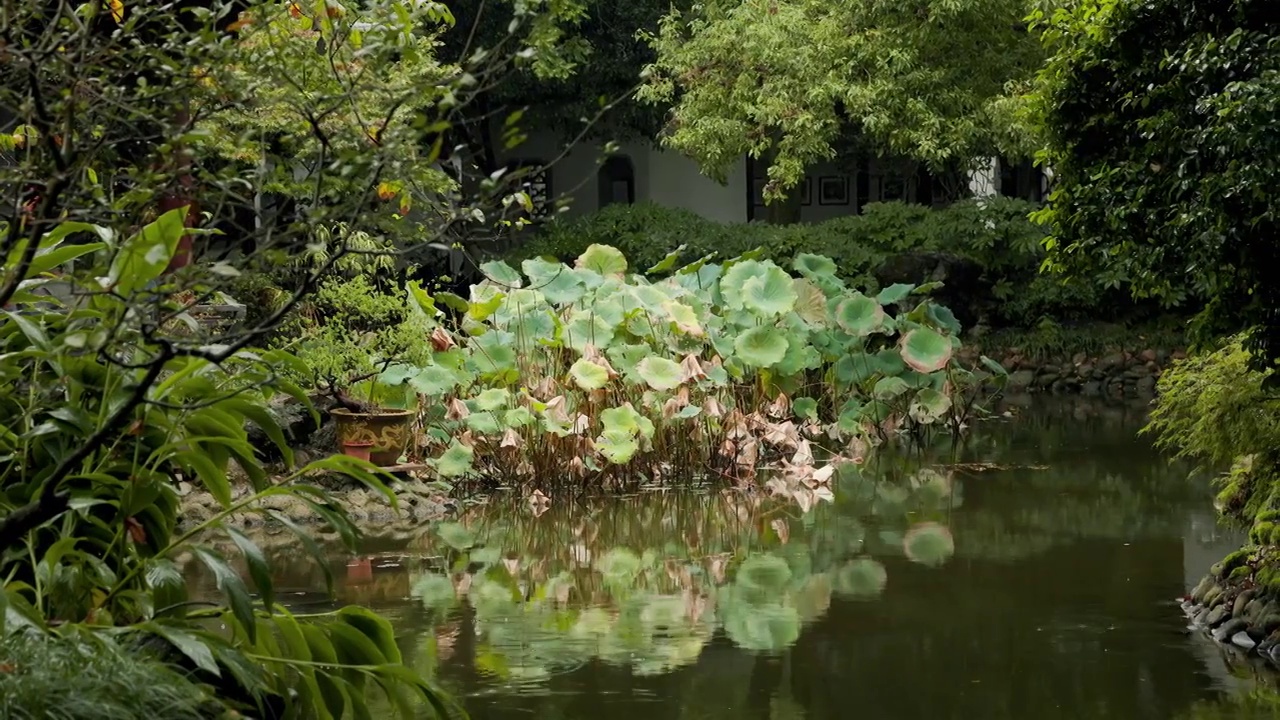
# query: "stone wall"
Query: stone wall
{"points": [[1115, 374]]}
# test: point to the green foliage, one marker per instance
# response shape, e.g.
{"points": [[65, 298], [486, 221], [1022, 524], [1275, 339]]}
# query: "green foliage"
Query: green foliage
{"points": [[995, 233], [784, 80], [104, 411], [93, 677], [1159, 119], [1214, 408]]}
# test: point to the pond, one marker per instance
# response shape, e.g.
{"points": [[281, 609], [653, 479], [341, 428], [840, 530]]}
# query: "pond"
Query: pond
{"points": [[1032, 572]]}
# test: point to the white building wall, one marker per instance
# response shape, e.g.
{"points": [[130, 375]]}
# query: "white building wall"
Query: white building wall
{"points": [[675, 181]]}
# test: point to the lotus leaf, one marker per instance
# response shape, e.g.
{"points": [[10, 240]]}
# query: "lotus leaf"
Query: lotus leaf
{"points": [[925, 350], [603, 259], [588, 375], [660, 373], [770, 293], [588, 329], [501, 273], [894, 293], [761, 346], [455, 461], [860, 315]]}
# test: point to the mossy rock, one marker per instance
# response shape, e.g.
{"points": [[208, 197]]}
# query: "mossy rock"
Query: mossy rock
{"points": [[1241, 573]]}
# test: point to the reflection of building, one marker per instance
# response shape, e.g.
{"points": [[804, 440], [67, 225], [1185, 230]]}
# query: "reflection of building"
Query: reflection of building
{"points": [[638, 171]]}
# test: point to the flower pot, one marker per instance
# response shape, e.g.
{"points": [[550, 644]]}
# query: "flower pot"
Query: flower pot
{"points": [[359, 450], [385, 432]]}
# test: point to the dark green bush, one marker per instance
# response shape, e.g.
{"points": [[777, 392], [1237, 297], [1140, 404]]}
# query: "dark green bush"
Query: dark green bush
{"points": [[995, 233]]}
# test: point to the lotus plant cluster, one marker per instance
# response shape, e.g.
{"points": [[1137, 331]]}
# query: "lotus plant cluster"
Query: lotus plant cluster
{"points": [[589, 372]]}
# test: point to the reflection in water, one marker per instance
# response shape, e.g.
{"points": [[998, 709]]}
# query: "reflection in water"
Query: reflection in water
{"points": [[1029, 573]]}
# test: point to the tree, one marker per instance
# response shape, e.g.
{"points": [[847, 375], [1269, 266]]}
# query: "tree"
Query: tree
{"points": [[597, 67], [1160, 123], [785, 80], [114, 383]]}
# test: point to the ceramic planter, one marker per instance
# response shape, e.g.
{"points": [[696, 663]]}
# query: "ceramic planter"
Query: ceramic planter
{"points": [[384, 434]]}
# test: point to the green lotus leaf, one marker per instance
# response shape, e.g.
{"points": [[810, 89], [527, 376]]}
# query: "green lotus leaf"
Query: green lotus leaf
{"points": [[588, 375], [925, 350], [811, 303], [798, 358], [929, 405], [535, 326], [929, 543], [603, 259], [455, 461], [761, 346], [890, 362], [588, 329], [684, 318], [518, 417], [481, 310], [659, 373], [854, 368], [484, 422], [688, 411], [769, 294], [851, 416], [805, 407], [493, 399], [894, 293], [860, 315], [435, 380], [485, 556], [993, 367], [626, 419], [625, 358], [808, 265], [617, 447], [733, 283], [944, 318], [667, 263], [493, 352], [456, 536], [889, 388], [501, 273], [860, 579], [559, 283]]}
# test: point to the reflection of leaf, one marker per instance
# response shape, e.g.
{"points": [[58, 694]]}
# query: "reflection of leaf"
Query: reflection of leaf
{"points": [[763, 577], [619, 565], [762, 627], [435, 592], [929, 543], [456, 536], [860, 579]]}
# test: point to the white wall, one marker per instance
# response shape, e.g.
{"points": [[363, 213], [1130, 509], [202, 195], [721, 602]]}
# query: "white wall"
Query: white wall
{"points": [[675, 181]]}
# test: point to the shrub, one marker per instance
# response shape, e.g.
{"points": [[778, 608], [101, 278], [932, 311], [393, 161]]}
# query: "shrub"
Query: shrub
{"points": [[994, 233]]}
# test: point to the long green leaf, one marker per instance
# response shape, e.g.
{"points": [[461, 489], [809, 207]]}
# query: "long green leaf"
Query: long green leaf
{"points": [[143, 257], [193, 647], [258, 569], [231, 586]]}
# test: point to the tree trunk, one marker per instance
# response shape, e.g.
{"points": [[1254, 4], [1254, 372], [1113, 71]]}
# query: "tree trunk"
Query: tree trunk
{"points": [[787, 210]]}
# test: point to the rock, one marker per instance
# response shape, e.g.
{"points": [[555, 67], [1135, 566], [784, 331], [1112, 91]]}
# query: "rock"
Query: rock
{"points": [[1147, 355], [1111, 362], [1214, 597], [1202, 617], [1198, 592], [1243, 641], [1237, 607], [1179, 355], [1252, 609], [1021, 380], [1228, 629], [1162, 356], [1217, 616], [1146, 386], [1268, 623], [1093, 388], [1078, 359]]}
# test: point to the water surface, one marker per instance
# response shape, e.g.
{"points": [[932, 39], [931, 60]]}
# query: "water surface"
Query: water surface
{"points": [[1030, 573]]}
